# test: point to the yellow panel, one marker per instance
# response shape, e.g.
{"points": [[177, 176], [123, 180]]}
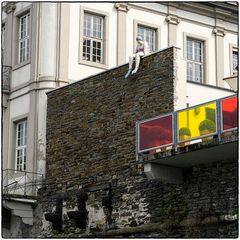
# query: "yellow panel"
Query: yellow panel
{"points": [[193, 118]]}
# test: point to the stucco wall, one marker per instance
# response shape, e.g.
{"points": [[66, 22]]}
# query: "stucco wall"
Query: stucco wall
{"points": [[197, 94]]}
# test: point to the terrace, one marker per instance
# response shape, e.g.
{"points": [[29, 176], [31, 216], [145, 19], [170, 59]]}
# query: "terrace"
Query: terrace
{"points": [[198, 135]]}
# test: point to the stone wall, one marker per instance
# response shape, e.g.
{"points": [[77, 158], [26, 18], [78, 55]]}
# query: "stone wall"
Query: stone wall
{"points": [[91, 142]]}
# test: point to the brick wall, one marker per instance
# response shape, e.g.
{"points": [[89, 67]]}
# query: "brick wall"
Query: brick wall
{"points": [[91, 142]]}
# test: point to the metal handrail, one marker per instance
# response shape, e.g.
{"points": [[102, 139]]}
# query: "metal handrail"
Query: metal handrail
{"points": [[175, 140], [21, 182], [6, 77]]}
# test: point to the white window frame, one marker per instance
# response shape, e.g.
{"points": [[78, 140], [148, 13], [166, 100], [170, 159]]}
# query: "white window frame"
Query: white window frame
{"points": [[24, 38], [146, 25], [205, 41], [145, 29], [193, 62], [233, 48], [22, 146], [93, 39], [105, 38]]}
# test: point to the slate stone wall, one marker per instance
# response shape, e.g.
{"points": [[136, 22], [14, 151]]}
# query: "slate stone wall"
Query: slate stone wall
{"points": [[91, 137], [91, 144]]}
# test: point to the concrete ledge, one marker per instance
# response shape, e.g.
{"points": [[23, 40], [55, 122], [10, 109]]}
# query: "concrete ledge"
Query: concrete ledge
{"points": [[165, 173], [196, 154]]}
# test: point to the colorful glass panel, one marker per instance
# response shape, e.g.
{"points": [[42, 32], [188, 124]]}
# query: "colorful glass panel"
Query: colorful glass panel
{"points": [[156, 133], [229, 113], [197, 122]]}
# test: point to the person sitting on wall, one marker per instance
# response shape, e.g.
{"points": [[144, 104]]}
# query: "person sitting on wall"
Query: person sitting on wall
{"points": [[142, 49]]}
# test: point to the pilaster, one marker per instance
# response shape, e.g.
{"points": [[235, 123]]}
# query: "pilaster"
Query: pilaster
{"points": [[219, 49], [173, 20], [64, 25], [8, 9], [122, 9]]}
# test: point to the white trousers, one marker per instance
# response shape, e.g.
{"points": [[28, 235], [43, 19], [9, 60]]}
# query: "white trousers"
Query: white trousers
{"points": [[137, 59]]}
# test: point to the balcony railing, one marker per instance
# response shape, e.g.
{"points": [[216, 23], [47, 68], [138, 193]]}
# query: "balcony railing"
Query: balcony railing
{"points": [[21, 182], [6, 78], [190, 125]]}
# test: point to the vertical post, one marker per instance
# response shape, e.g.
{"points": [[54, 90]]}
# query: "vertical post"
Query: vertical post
{"points": [[34, 185], [7, 180], [41, 192], [219, 121], [175, 129], [137, 154], [25, 183]]}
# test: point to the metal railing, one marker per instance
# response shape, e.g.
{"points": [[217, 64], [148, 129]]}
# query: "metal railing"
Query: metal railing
{"points": [[190, 125], [6, 78], [21, 182]]}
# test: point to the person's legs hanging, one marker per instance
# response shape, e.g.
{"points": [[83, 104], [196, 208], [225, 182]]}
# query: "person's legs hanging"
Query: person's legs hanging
{"points": [[130, 65], [137, 62]]}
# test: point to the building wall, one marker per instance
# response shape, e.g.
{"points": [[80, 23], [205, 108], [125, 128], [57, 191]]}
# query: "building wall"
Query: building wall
{"points": [[105, 105], [91, 143], [55, 60], [55, 53], [197, 93], [96, 120], [188, 210], [79, 71]]}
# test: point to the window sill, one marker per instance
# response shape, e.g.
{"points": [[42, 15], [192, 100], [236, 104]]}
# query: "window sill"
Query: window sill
{"points": [[22, 64], [93, 64]]}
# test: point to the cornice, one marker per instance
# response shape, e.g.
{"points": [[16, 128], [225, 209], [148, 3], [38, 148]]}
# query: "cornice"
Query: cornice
{"points": [[207, 9], [172, 19], [9, 7], [122, 7]]}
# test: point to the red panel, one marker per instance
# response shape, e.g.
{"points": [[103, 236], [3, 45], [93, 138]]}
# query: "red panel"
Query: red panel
{"points": [[156, 133], [229, 113]]}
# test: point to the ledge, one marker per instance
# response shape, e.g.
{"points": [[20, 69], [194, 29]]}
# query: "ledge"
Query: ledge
{"points": [[199, 153], [166, 226]]}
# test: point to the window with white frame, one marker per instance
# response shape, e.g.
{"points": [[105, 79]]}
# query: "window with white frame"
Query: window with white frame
{"points": [[93, 38], [24, 38], [195, 62], [21, 145], [148, 35], [235, 62]]}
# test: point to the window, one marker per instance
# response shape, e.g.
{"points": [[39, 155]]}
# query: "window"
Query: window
{"points": [[93, 38], [148, 35], [194, 60], [235, 62], [3, 36], [21, 145], [24, 39]]}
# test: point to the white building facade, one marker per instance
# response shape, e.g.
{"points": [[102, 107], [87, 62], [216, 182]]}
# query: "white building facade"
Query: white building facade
{"points": [[48, 45]]}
